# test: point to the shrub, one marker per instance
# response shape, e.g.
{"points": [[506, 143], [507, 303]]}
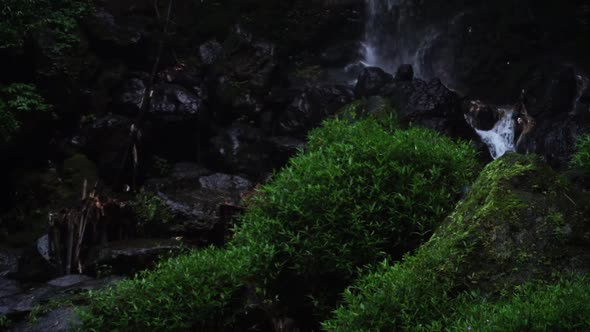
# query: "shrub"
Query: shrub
{"points": [[564, 306], [18, 100], [581, 158], [202, 291], [500, 236], [358, 194], [149, 208], [20, 17]]}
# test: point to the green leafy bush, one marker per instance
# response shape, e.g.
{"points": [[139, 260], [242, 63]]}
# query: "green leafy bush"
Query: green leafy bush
{"points": [[202, 291], [581, 158], [358, 194], [150, 208], [564, 306], [16, 101], [20, 17], [501, 235]]}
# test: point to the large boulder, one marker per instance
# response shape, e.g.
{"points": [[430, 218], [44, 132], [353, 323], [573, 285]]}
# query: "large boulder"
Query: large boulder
{"points": [[197, 201], [244, 72], [370, 81], [311, 107]]}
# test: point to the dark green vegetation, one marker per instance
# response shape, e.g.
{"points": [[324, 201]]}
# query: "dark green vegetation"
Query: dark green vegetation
{"points": [[18, 18], [581, 159], [18, 103], [518, 223], [358, 194]]}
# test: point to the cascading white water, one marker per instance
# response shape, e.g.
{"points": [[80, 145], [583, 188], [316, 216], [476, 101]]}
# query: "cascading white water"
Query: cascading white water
{"points": [[499, 139]]}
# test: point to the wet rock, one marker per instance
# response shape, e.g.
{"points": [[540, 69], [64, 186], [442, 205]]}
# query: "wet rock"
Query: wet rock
{"points": [[69, 280], [175, 102], [404, 73], [370, 81], [32, 266], [132, 256], [480, 115], [58, 320], [429, 104], [311, 107], [17, 306], [194, 197]]}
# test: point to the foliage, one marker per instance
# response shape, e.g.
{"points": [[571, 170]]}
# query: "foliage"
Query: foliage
{"points": [[197, 292], [150, 208], [18, 18], [4, 321], [475, 249], [16, 100], [564, 306], [341, 204], [581, 158], [358, 194]]}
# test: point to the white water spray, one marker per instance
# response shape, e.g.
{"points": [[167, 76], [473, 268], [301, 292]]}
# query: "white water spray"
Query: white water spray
{"points": [[499, 139]]}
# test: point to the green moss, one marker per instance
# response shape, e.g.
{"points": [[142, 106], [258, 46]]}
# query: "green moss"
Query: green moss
{"points": [[496, 239], [150, 208], [581, 158]]}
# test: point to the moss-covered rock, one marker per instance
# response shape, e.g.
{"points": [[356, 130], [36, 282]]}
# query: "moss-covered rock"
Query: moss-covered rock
{"points": [[519, 222]]}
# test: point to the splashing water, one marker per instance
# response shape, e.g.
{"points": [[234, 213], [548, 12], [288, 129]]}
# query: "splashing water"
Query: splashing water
{"points": [[499, 139]]}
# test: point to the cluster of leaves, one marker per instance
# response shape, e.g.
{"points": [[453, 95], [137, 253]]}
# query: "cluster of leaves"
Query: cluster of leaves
{"points": [[581, 158], [431, 289], [535, 306], [16, 100], [357, 195], [149, 208], [18, 18]]}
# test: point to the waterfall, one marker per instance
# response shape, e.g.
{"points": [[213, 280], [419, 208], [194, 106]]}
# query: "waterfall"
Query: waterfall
{"points": [[499, 139]]}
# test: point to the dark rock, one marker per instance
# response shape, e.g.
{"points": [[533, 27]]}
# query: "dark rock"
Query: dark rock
{"points": [[9, 287], [210, 51], [69, 280], [242, 148], [550, 90], [429, 104], [19, 305], [58, 320], [103, 27], [244, 72], [32, 266], [9, 260], [370, 81], [194, 197], [132, 256], [481, 116], [404, 73], [311, 107], [340, 55]]}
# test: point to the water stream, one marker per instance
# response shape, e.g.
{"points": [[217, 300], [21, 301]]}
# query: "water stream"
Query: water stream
{"points": [[499, 139]]}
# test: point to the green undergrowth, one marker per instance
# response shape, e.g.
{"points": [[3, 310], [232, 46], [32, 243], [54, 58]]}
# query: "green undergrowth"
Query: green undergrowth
{"points": [[581, 158], [359, 193], [502, 235], [200, 291], [19, 18], [18, 102]]}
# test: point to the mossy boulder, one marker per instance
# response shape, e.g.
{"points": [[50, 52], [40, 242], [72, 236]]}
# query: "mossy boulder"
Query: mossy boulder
{"points": [[519, 222]]}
